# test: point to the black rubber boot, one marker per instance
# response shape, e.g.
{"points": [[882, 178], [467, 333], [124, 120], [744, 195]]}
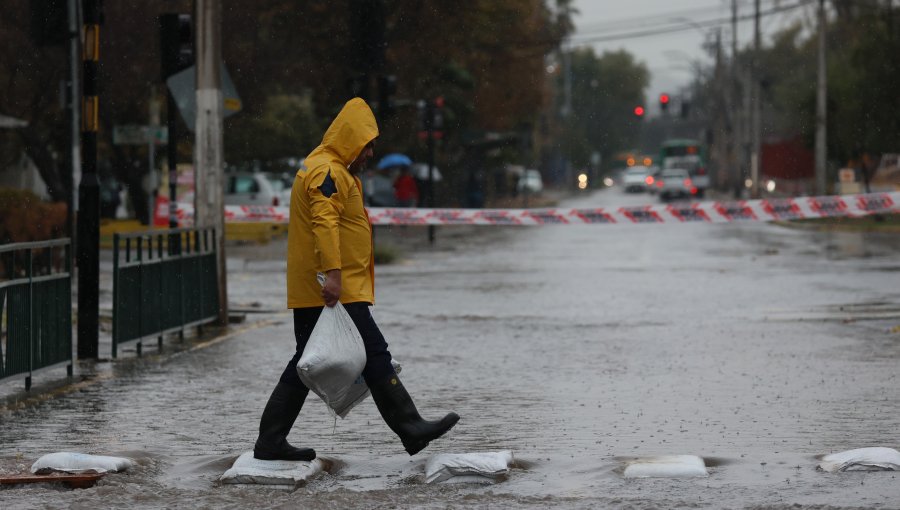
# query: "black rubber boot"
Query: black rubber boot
{"points": [[277, 419], [400, 414]]}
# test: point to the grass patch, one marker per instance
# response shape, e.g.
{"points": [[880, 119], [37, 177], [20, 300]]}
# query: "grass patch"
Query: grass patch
{"points": [[871, 223], [386, 254]]}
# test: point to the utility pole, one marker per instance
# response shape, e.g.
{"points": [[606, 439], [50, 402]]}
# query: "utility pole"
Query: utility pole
{"points": [[567, 106], [88, 246], [208, 149], [723, 139], [757, 107], [821, 112], [738, 155]]}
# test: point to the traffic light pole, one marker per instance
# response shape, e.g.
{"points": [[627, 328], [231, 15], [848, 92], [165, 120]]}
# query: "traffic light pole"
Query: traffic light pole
{"points": [[88, 223], [431, 228], [176, 54], [74, 177], [172, 157], [431, 123]]}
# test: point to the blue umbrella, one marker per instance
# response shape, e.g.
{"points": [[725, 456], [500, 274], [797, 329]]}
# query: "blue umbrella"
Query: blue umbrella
{"points": [[394, 159]]}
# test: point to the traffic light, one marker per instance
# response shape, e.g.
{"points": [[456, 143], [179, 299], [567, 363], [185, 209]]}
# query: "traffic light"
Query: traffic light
{"points": [[176, 43], [431, 118], [387, 87], [639, 112], [663, 102], [685, 109]]}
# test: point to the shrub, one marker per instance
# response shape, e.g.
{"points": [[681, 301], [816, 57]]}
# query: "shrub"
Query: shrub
{"points": [[385, 254], [24, 217]]}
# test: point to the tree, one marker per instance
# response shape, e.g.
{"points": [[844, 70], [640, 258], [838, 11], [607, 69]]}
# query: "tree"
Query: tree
{"points": [[862, 45], [862, 70], [292, 62], [605, 90], [30, 89]]}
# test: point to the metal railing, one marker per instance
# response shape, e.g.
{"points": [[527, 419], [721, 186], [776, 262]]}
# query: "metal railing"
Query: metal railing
{"points": [[35, 307], [163, 282]]}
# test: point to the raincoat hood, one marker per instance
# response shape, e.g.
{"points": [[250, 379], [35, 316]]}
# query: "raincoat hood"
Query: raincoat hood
{"points": [[350, 131]]}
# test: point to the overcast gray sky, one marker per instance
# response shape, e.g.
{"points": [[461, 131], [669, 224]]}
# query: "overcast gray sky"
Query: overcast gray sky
{"points": [[670, 56]]}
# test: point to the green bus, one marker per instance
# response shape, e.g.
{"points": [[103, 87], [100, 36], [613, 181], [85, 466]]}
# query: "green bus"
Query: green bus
{"points": [[687, 154]]}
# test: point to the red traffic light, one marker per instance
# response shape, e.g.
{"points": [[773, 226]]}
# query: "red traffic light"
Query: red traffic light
{"points": [[639, 111], [664, 98]]}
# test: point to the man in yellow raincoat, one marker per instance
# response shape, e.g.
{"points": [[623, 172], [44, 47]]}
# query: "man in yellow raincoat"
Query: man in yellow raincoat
{"points": [[329, 232]]}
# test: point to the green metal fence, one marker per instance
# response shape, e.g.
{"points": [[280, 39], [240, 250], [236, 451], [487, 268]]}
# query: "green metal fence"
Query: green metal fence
{"points": [[35, 308], [163, 282]]}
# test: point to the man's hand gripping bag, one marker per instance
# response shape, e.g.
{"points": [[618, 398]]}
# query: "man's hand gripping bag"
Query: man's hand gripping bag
{"points": [[334, 357]]}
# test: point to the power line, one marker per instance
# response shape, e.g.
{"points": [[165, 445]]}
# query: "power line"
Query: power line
{"points": [[681, 27], [649, 20]]}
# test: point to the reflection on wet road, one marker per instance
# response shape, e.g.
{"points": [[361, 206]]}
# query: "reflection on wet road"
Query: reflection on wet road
{"points": [[754, 346]]}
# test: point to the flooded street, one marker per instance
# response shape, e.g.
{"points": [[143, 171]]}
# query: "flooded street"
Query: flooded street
{"points": [[755, 346]]}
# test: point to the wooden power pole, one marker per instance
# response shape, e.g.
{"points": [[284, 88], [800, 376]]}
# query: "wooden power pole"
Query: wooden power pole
{"points": [[821, 112], [208, 145], [757, 108]]}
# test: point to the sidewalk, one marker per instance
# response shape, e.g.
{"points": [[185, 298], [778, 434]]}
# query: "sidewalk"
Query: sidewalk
{"points": [[256, 295]]}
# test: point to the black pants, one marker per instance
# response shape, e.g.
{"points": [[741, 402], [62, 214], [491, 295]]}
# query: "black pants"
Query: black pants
{"points": [[378, 358]]}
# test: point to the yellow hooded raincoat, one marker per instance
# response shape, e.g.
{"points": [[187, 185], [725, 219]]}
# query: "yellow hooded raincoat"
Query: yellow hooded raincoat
{"points": [[329, 227]]}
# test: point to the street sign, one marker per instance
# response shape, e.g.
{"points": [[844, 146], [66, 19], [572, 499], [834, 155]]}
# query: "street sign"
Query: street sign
{"points": [[182, 86], [134, 134]]}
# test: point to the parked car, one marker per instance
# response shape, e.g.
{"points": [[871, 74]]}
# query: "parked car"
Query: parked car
{"points": [[530, 181], [244, 188], [281, 184], [675, 183], [654, 174], [637, 179]]}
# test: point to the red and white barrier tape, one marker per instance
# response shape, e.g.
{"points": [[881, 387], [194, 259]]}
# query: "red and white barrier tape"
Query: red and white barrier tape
{"points": [[685, 212]]}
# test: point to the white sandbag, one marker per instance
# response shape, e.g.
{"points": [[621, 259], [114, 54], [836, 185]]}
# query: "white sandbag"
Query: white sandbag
{"points": [[483, 467], [69, 462], [862, 459], [357, 393], [334, 357], [667, 466], [249, 470]]}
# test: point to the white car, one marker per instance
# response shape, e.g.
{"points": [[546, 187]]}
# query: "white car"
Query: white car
{"points": [[531, 182], [694, 166], [244, 188], [637, 179], [281, 184], [674, 183]]}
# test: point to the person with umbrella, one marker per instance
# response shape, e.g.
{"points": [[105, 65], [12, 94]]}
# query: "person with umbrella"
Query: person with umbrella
{"points": [[405, 190]]}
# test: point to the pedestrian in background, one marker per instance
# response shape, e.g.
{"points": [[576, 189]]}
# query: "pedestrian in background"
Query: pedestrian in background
{"points": [[329, 232], [405, 189]]}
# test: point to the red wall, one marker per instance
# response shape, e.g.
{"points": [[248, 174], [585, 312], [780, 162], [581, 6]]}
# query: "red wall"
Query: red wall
{"points": [[788, 159]]}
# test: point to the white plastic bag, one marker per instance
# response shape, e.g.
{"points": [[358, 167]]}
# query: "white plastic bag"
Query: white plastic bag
{"points": [[667, 466], [862, 459], [483, 467], [71, 462], [357, 393], [334, 356], [248, 470]]}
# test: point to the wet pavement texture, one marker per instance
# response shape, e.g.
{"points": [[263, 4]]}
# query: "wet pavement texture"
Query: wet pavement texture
{"points": [[755, 346]]}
